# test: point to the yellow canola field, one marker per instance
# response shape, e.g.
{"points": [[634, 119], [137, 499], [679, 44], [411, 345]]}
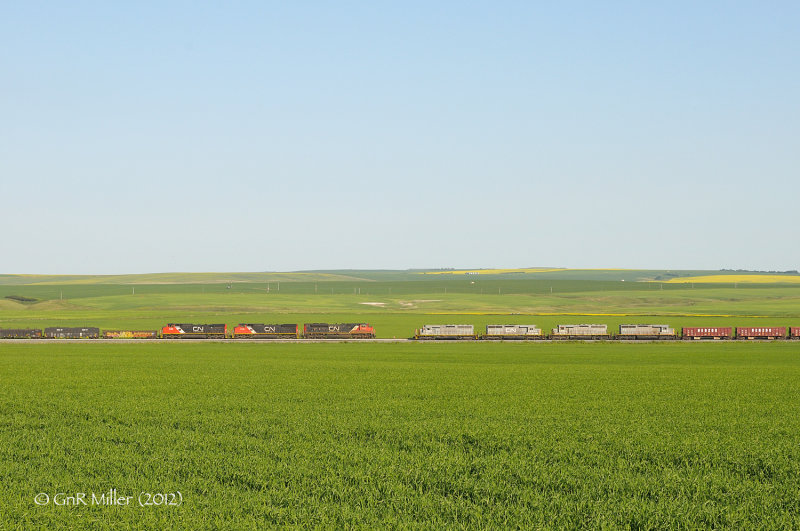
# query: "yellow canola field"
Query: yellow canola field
{"points": [[743, 279], [493, 271]]}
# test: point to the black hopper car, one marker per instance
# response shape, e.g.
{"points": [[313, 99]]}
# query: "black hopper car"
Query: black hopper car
{"points": [[20, 333], [71, 333]]}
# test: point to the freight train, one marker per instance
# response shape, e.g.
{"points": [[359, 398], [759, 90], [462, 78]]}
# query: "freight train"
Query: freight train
{"points": [[627, 332], [432, 332], [204, 331]]}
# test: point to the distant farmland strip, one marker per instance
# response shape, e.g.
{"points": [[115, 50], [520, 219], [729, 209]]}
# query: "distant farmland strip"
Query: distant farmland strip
{"points": [[742, 279]]}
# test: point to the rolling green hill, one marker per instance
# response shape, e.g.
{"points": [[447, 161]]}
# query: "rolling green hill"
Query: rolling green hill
{"points": [[396, 302]]}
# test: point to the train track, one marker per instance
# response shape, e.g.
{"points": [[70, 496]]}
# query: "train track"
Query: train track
{"points": [[368, 341]]}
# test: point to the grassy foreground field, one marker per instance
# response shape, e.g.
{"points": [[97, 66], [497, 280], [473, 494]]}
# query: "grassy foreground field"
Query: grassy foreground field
{"points": [[474, 435]]}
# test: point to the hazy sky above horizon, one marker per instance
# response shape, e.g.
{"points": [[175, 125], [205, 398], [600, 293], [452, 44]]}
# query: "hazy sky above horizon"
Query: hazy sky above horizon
{"points": [[270, 136]]}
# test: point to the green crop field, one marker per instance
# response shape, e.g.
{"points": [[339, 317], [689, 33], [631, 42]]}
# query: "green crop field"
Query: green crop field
{"points": [[473, 435], [403, 435]]}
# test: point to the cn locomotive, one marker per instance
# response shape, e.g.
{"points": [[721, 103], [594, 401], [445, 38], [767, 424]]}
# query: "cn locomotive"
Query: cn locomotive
{"points": [[195, 331], [266, 331], [338, 331]]}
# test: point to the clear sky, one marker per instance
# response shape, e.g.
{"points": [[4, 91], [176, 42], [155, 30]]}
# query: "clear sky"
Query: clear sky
{"points": [[256, 136]]}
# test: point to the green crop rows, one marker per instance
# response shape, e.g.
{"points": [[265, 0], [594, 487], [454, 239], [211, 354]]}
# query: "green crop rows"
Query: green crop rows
{"points": [[458, 435]]}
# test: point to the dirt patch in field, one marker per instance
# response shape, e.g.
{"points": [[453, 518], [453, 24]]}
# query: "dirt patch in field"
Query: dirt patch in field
{"points": [[413, 303]]}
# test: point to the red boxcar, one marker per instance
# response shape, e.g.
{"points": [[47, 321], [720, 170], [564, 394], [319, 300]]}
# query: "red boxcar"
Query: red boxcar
{"points": [[794, 332], [714, 332], [761, 332]]}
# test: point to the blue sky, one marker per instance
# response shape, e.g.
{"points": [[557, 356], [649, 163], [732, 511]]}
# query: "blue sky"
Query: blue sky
{"points": [[252, 136]]}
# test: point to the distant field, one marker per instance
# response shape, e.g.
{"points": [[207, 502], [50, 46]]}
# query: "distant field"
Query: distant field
{"points": [[488, 436], [398, 306], [171, 278], [412, 276], [728, 279], [492, 271]]}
